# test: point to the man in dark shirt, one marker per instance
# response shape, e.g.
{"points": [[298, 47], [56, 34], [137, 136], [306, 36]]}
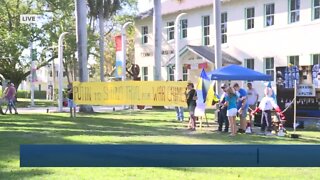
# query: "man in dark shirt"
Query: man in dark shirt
{"points": [[71, 104], [222, 115], [191, 101]]}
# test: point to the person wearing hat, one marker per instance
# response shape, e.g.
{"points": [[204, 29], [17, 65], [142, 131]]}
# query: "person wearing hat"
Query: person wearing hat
{"points": [[222, 114], [191, 97]]}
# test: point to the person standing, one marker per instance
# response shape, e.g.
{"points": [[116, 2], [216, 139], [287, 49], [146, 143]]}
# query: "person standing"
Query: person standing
{"points": [[191, 96], [71, 104], [231, 105], [222, 114], [266, 105], [10, 96], [179, 111], [253, 97], [242, 107]]}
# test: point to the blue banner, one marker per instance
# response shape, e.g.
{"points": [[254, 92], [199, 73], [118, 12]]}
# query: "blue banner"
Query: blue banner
{"points": [[170, 155]]}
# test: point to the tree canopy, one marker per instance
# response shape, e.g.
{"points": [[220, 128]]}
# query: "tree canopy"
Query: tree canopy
{"points": [[57, 16]]}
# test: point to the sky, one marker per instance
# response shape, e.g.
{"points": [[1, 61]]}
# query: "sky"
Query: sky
{"points": [[144, 5]]}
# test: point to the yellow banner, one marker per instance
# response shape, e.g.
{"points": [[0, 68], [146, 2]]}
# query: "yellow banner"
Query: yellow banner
{"points": [[152, 93]]}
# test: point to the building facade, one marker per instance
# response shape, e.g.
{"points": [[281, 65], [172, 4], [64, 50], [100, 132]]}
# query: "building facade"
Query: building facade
{"points": [[261, 34], [47, 78]]}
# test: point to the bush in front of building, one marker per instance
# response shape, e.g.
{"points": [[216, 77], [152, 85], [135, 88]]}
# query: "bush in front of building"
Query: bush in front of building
{"points": [[27, 94]]}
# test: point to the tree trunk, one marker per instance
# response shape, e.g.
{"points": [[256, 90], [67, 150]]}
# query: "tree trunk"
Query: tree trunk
{"points": [[74, 69], [81, 18], [101, 43], [157, 30], [67, 72]]}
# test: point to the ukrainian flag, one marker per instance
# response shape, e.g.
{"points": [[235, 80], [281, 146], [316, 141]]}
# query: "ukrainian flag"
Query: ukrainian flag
{"points": [[207, 89]]}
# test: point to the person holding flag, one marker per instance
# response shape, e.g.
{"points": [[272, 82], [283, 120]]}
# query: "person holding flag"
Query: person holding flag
{"points": [[266, 105]]}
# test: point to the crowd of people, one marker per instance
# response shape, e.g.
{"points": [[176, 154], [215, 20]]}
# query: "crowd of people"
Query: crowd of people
{"points": [[9, 97], [235, 102]]}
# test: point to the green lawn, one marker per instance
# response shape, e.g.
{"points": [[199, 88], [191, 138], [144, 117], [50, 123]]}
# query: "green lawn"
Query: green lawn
{"points": [[130, 127]]}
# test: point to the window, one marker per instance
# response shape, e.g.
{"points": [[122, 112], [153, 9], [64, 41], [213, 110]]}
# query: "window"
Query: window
{"points": [[293, 60], [144, 73], [206, 30], [185, 73], [315, 59], [269, 15], [183, 28], [144, 31], [269, 66], [249, 63], [294, 11], [171, 73], [250, 18], [316, 9], [224, 30], [170, 30]]}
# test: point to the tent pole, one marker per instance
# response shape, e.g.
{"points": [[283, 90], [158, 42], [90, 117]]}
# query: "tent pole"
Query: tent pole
{"points": [[295, 106]]}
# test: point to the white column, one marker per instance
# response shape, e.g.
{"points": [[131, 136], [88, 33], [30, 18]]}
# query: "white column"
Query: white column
{"points": [[124, 50], [178, 68], [157, 21], [60, 75], [32, 73]]}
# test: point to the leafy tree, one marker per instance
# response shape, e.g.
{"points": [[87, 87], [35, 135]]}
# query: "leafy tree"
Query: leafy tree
{"points": [[103, 10], [15, 38]]}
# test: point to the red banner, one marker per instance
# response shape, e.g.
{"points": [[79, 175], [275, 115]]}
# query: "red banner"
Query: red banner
{"points": [[118, 43]]}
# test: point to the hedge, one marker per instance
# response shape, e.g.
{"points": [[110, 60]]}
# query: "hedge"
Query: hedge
{"points": [[37, 94]]}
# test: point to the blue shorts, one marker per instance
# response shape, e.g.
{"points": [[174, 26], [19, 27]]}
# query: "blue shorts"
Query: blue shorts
{"points": [[71, 104], [244, 113]]}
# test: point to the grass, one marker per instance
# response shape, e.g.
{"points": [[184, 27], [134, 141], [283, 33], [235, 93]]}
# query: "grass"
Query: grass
{"points": [[130, 127]]}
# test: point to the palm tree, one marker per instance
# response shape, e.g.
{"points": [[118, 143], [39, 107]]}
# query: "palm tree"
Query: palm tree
{"points": [[102, 10]]}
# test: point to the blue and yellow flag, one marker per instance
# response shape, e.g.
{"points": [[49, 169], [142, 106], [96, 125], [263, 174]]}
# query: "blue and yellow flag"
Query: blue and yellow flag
{"points": [[206, 86]]}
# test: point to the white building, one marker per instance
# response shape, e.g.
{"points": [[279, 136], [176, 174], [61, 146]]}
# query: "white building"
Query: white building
{"points": [[45, 78], [261, 34]]}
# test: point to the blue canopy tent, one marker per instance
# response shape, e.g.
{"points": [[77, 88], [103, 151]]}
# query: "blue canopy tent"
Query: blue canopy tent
{"points": [[236, 72]]}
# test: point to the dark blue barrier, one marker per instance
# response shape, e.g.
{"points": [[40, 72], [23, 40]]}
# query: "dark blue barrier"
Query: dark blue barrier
{"points": [[170, 155]]}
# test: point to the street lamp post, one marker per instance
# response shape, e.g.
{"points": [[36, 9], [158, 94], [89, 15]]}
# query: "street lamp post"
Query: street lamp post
{"points": [[124, 55], [60, 57], [178, 68], [217, 47]]}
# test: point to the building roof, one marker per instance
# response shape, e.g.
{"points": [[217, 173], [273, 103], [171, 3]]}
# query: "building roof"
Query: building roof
{"points": [[208, 53], [173, 6]]}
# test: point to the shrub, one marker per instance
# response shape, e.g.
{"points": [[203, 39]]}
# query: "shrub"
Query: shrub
{"points": [[27, 94]]}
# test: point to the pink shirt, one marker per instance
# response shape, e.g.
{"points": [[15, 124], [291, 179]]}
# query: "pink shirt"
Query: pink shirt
{"points": [[10, 93]]}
